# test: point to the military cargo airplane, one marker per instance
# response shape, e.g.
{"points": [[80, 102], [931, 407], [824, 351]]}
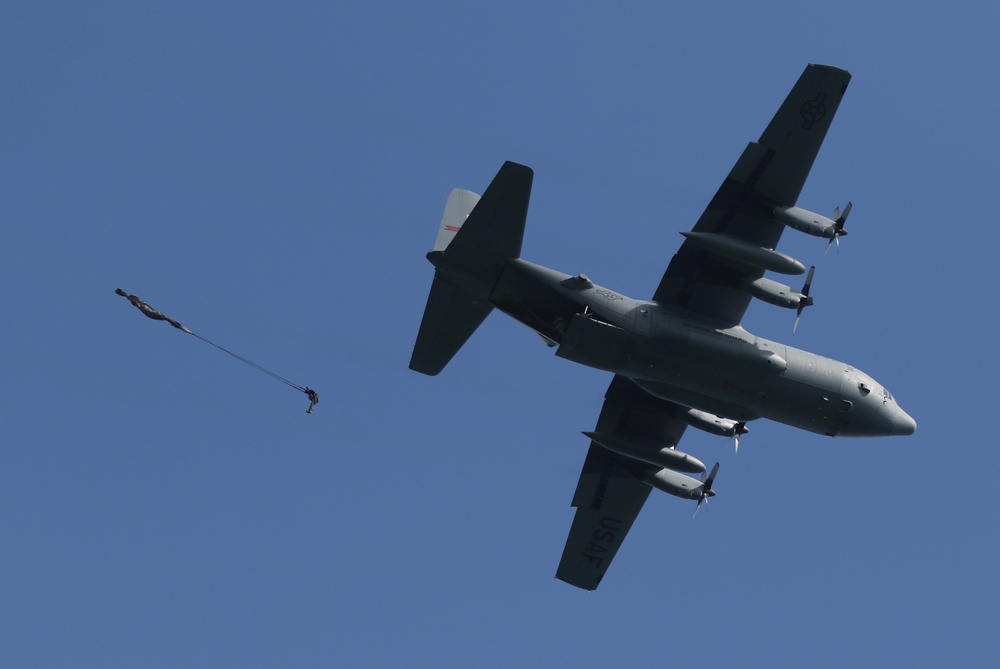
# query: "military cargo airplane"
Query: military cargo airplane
{"points": [[682, 358]]}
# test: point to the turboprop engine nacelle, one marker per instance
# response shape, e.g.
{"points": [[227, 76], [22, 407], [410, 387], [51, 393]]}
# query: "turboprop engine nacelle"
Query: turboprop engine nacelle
{"points": [[775, 293], [806, 221], [709, 422], [648, 450], [677, 484]]}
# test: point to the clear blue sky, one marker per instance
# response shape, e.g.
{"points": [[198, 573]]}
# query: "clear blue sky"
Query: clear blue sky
{"points": [[271, 174]]}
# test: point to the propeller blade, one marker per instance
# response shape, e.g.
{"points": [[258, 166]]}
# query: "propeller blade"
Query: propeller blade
{"points": [[809, 281], [835, 238], [707, 488], [838, 226], [806, 300], [839, 218], [739, 429]]}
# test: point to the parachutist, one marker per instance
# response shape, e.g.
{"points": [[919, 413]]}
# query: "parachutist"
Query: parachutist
{"points": [[152, 313], [313, 399], [149, 311]]}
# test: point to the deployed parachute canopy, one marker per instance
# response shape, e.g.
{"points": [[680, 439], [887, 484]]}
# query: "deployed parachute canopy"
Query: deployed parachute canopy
{"points": [[150, 312]]}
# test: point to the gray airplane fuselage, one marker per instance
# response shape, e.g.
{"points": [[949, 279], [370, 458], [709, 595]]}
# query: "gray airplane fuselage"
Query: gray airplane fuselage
{"points": [[682, 358], [694, 362]]}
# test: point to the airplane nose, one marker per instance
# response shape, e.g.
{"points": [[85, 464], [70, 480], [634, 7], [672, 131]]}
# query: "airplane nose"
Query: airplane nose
{"points": [[902, 423]]}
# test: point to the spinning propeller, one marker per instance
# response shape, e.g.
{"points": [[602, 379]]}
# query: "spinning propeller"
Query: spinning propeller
{"points": [[806, 300], [706, 489], [739, 429], [838, 226]]}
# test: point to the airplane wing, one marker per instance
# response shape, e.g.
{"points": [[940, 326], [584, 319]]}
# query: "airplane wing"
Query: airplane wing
{"points": [[610, 495], [769, 174]]}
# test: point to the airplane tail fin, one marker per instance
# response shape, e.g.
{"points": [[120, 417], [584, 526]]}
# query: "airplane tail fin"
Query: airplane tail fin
{"points": [[476, 239], [460, 204]]}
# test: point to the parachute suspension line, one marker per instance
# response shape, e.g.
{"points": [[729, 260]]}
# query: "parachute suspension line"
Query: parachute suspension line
{"points": [[150, 312], [253, 364]]}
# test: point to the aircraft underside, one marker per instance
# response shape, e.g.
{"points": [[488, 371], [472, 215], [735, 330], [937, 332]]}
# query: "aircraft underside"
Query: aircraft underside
{"points": [[681, 358], [668, 357]]}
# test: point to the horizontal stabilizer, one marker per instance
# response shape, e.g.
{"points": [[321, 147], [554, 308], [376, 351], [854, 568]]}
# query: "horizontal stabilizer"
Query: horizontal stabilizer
{"points": [[450, 318]]}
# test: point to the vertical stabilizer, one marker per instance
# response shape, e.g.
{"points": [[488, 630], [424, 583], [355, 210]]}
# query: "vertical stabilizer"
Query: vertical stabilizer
{"points": [[476, 239], [460, 204]]}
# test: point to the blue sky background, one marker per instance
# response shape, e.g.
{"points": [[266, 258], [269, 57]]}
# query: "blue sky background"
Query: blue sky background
{"points": [[271, 175]]}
